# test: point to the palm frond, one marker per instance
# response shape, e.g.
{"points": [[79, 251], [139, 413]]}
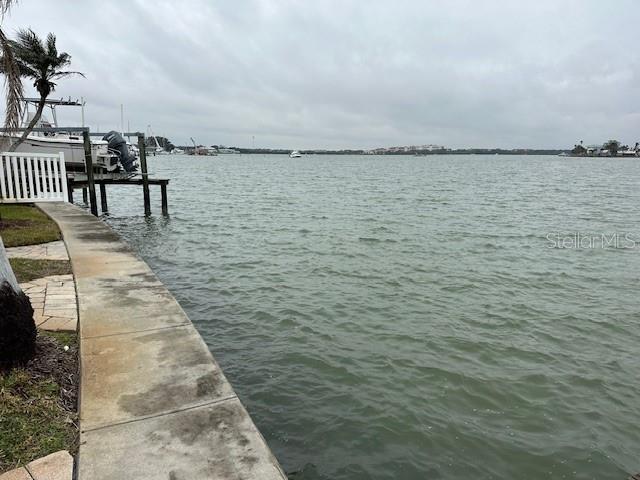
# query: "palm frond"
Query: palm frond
{"points": [[52, 51], [65, 74], [5, 6], [13, 84]]}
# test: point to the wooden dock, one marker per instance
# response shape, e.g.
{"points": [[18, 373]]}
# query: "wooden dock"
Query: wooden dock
{"points": [[80, 181]]}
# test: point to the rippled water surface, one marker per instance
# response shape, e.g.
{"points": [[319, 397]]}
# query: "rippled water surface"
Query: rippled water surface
{"points": [[405, 317]]}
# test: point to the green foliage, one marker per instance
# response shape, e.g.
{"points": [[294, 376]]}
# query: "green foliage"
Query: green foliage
{"points": [[613, 146], [27, 269], [40, 61], [579, 150], [26, 225], [32, 423]]}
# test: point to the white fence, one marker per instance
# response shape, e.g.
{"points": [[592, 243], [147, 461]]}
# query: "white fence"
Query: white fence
{"points": [[32, 177]]}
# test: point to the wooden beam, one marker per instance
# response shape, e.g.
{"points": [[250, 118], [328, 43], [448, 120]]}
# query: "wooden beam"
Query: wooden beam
{"points": [[69, 190], [103, 198], [163, 193], [145, 174], [88, 163]]}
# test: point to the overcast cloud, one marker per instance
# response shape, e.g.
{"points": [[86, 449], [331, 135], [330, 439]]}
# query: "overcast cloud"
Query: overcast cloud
{"points": [[363, 74]]}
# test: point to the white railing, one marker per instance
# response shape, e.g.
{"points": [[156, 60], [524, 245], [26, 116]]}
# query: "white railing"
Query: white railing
{"points": [[32, 177]]}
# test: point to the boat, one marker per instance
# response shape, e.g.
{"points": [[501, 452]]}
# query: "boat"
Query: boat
{"points": [[158, 150], [295, 154], [71, 144], [224, 150]]}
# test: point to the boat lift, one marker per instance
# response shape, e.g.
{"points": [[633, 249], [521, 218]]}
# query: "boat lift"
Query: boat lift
{"points": [[87, 180]]}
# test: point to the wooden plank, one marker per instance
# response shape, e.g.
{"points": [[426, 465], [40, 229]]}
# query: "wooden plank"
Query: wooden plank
{"points": [[37, 164], [3, 164], [30, 176], [56, 177], [10, 178], [49, 178], [23, 178], [16, 177], [83, 183], [63, 180]]}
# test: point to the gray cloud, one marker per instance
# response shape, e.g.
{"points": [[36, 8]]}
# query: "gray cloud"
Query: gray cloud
{"points": [[300, 74]]}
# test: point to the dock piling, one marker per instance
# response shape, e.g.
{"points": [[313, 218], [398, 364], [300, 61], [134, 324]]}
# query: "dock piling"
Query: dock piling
{"points": [[103, 198], [88, 163], [145, 175], [163, 193]]}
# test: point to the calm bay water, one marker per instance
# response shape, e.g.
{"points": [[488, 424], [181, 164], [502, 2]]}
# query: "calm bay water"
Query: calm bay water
{"points": [[405, 317]]}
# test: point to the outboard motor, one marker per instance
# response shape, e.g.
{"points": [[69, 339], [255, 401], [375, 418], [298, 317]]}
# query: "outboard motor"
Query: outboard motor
{"points": [[117, 143]]}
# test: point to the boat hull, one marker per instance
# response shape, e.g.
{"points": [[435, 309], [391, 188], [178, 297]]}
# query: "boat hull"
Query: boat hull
{"points": [[73, 150]]}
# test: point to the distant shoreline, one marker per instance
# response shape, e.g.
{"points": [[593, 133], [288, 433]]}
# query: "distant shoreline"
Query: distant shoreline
{"points": [[474, 151]]}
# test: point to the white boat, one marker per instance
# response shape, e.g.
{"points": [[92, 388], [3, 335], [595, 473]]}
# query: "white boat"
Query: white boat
{"points": [[629, 153], [295, 154], [69, 143], [225, 151], [158, 150]]}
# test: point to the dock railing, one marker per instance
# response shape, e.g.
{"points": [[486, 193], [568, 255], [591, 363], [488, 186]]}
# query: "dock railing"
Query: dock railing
{"points": [[32, 177]]}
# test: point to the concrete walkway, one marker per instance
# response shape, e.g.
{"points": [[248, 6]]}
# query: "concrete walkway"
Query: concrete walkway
{"points": [[42, 251], [153, 402], [57, 466]]}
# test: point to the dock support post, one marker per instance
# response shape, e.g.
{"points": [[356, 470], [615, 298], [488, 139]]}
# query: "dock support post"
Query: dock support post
{"points": [[69, 190], [103, 198], [145, 176], [88, 163], [85, 198], [163, 193]]}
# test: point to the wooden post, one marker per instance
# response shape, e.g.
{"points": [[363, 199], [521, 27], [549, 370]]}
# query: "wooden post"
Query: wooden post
{"points": [[145, 176], [163, 193], [85, 198], [88, 164], [69, 190], [103, 198]]}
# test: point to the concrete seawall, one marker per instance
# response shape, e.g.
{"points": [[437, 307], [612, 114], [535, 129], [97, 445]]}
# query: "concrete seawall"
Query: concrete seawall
{"points": [[154, 404]]}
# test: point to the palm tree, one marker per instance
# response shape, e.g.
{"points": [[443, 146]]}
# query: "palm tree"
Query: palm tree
{"points": [[8, 66], [41, 62]]}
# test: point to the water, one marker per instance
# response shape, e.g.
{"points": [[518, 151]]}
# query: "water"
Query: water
{"points": [[406, 318]]}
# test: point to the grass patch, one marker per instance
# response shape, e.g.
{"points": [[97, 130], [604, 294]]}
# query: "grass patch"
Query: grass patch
{"points": [[27, 269], [38, 403], [26, 225]]}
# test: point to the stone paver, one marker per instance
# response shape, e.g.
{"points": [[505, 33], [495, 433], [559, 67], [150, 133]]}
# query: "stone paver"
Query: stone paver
{"points": [[57, 466], [153, 401], [53, 300], [17, 474], [43, 251]]}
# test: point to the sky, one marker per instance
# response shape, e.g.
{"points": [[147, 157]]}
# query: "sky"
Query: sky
{"points": [[303, 74]]}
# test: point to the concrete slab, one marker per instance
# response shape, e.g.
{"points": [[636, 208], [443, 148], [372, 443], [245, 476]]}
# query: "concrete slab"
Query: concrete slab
{"points": [[153, 402], [59, 324], [42, 251], [16, 474], [57, 466], [127, 308], [137, 375], [217, 441]]}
